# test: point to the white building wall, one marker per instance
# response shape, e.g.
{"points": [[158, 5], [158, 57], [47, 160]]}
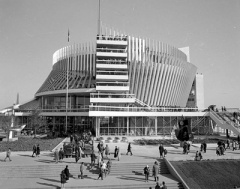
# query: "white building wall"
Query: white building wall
{"points": [[199, 91]]}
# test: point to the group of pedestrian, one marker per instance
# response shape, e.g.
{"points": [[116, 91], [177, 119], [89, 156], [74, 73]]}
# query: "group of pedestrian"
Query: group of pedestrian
{"points": [[104, 169], [155, 172], [158, 186], [36, 150], [198, 156], [162, 151], [58, 155]]}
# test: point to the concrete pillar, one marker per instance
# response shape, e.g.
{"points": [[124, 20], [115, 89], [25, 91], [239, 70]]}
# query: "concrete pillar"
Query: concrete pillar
{"points": [[156, 126], [127, 126]]}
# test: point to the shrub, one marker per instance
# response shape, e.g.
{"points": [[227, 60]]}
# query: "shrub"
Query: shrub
{"points": [[117, 138], [109, 138]]}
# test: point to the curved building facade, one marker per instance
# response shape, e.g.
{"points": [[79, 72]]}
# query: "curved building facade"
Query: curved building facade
{"points": [[108, 86]]}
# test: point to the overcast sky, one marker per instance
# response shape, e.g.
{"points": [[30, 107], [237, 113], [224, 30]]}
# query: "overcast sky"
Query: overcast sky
{"points": [[31, 31]]}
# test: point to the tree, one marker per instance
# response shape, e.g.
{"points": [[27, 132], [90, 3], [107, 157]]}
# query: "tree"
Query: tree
{"points": [[36, 120], [5, 124]]}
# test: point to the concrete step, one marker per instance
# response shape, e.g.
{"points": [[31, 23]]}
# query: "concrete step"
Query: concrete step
{"points": [[144, 185], [53, 170]]}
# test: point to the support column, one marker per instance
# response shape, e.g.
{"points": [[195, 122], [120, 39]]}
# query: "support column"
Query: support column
{"points": [[156, 126], [127, 126], [97, 126]]}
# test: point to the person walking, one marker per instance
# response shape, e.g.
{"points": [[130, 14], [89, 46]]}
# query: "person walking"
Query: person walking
{"points": [[107, 151], [100, 173], [129, 149], [34, 150], [101, 149], [118, 154], [204, 146], [93, 158], [99, 159], [56, 156], [115, 152], [109, 165], [104, 167], [63, 179], [146, 173], [163, 186], [67, 173], [77, 153], [61, 154], [71, 138], [8, 154], [155, 171], [81, 170], [157, 186], [38, 151], [161, 150], [228, 143]]}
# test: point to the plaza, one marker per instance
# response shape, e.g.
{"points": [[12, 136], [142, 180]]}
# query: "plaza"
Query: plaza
{"points": [[27, 172]]}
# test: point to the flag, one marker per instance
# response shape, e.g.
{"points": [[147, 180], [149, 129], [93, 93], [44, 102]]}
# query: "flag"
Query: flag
{"points": [[68, 35]]}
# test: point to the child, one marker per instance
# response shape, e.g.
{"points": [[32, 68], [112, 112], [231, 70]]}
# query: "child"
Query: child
{"points": [[8, 154]]}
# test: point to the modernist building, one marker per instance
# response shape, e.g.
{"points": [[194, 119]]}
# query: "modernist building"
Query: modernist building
{"points": [[121, 85]]}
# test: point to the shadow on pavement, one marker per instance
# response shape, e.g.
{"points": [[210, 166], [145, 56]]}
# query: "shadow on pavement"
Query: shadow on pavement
{"points": [[137, 173], [45, 184], [26, 155], [45, 161], [52, 180], [132, 178]]}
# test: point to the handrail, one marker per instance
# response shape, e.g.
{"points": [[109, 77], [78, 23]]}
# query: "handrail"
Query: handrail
{"points": [[112, 95], [111, 50], [112, 37], [112, 73], [140, 109], [112, 84], [221, 120]]}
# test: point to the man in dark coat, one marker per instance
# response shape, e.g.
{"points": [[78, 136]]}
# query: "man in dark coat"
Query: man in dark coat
{"points": [[38, 151], [101, 173], [115, 152], [63, 178], [129, 150], [34, 150], [61, 154], [155, 171], [204, 146], [161, 150], [66, 171], [146, 173]]}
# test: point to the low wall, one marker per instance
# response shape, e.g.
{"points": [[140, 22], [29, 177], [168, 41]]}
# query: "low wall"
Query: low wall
{"points": [[174, 173]]}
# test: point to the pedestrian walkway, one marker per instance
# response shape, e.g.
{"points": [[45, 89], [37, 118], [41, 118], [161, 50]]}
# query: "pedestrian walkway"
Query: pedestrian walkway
{"points": [[42, 172]]}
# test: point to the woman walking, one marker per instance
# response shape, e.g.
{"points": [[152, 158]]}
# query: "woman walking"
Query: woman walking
{"points": [[107, 151], [56, 156], [63, 179], [38, 151], [118, 154]]}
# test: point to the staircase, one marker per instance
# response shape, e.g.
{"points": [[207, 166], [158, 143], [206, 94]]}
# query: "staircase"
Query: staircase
{"points": [[123, 175], [224, 124]]}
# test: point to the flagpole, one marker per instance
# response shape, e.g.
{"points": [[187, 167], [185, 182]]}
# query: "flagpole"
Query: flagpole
{"points": [[67, 82], [99, 14]]}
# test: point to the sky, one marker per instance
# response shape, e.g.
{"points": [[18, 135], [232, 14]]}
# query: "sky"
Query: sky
{"points": [[31, 31]]}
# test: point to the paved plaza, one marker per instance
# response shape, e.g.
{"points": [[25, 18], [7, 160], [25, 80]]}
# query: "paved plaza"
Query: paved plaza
{"points": [[42, 172]]}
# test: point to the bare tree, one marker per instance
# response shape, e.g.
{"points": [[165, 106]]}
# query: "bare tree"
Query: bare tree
{"points": [[37, 121], [5, 124]]}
